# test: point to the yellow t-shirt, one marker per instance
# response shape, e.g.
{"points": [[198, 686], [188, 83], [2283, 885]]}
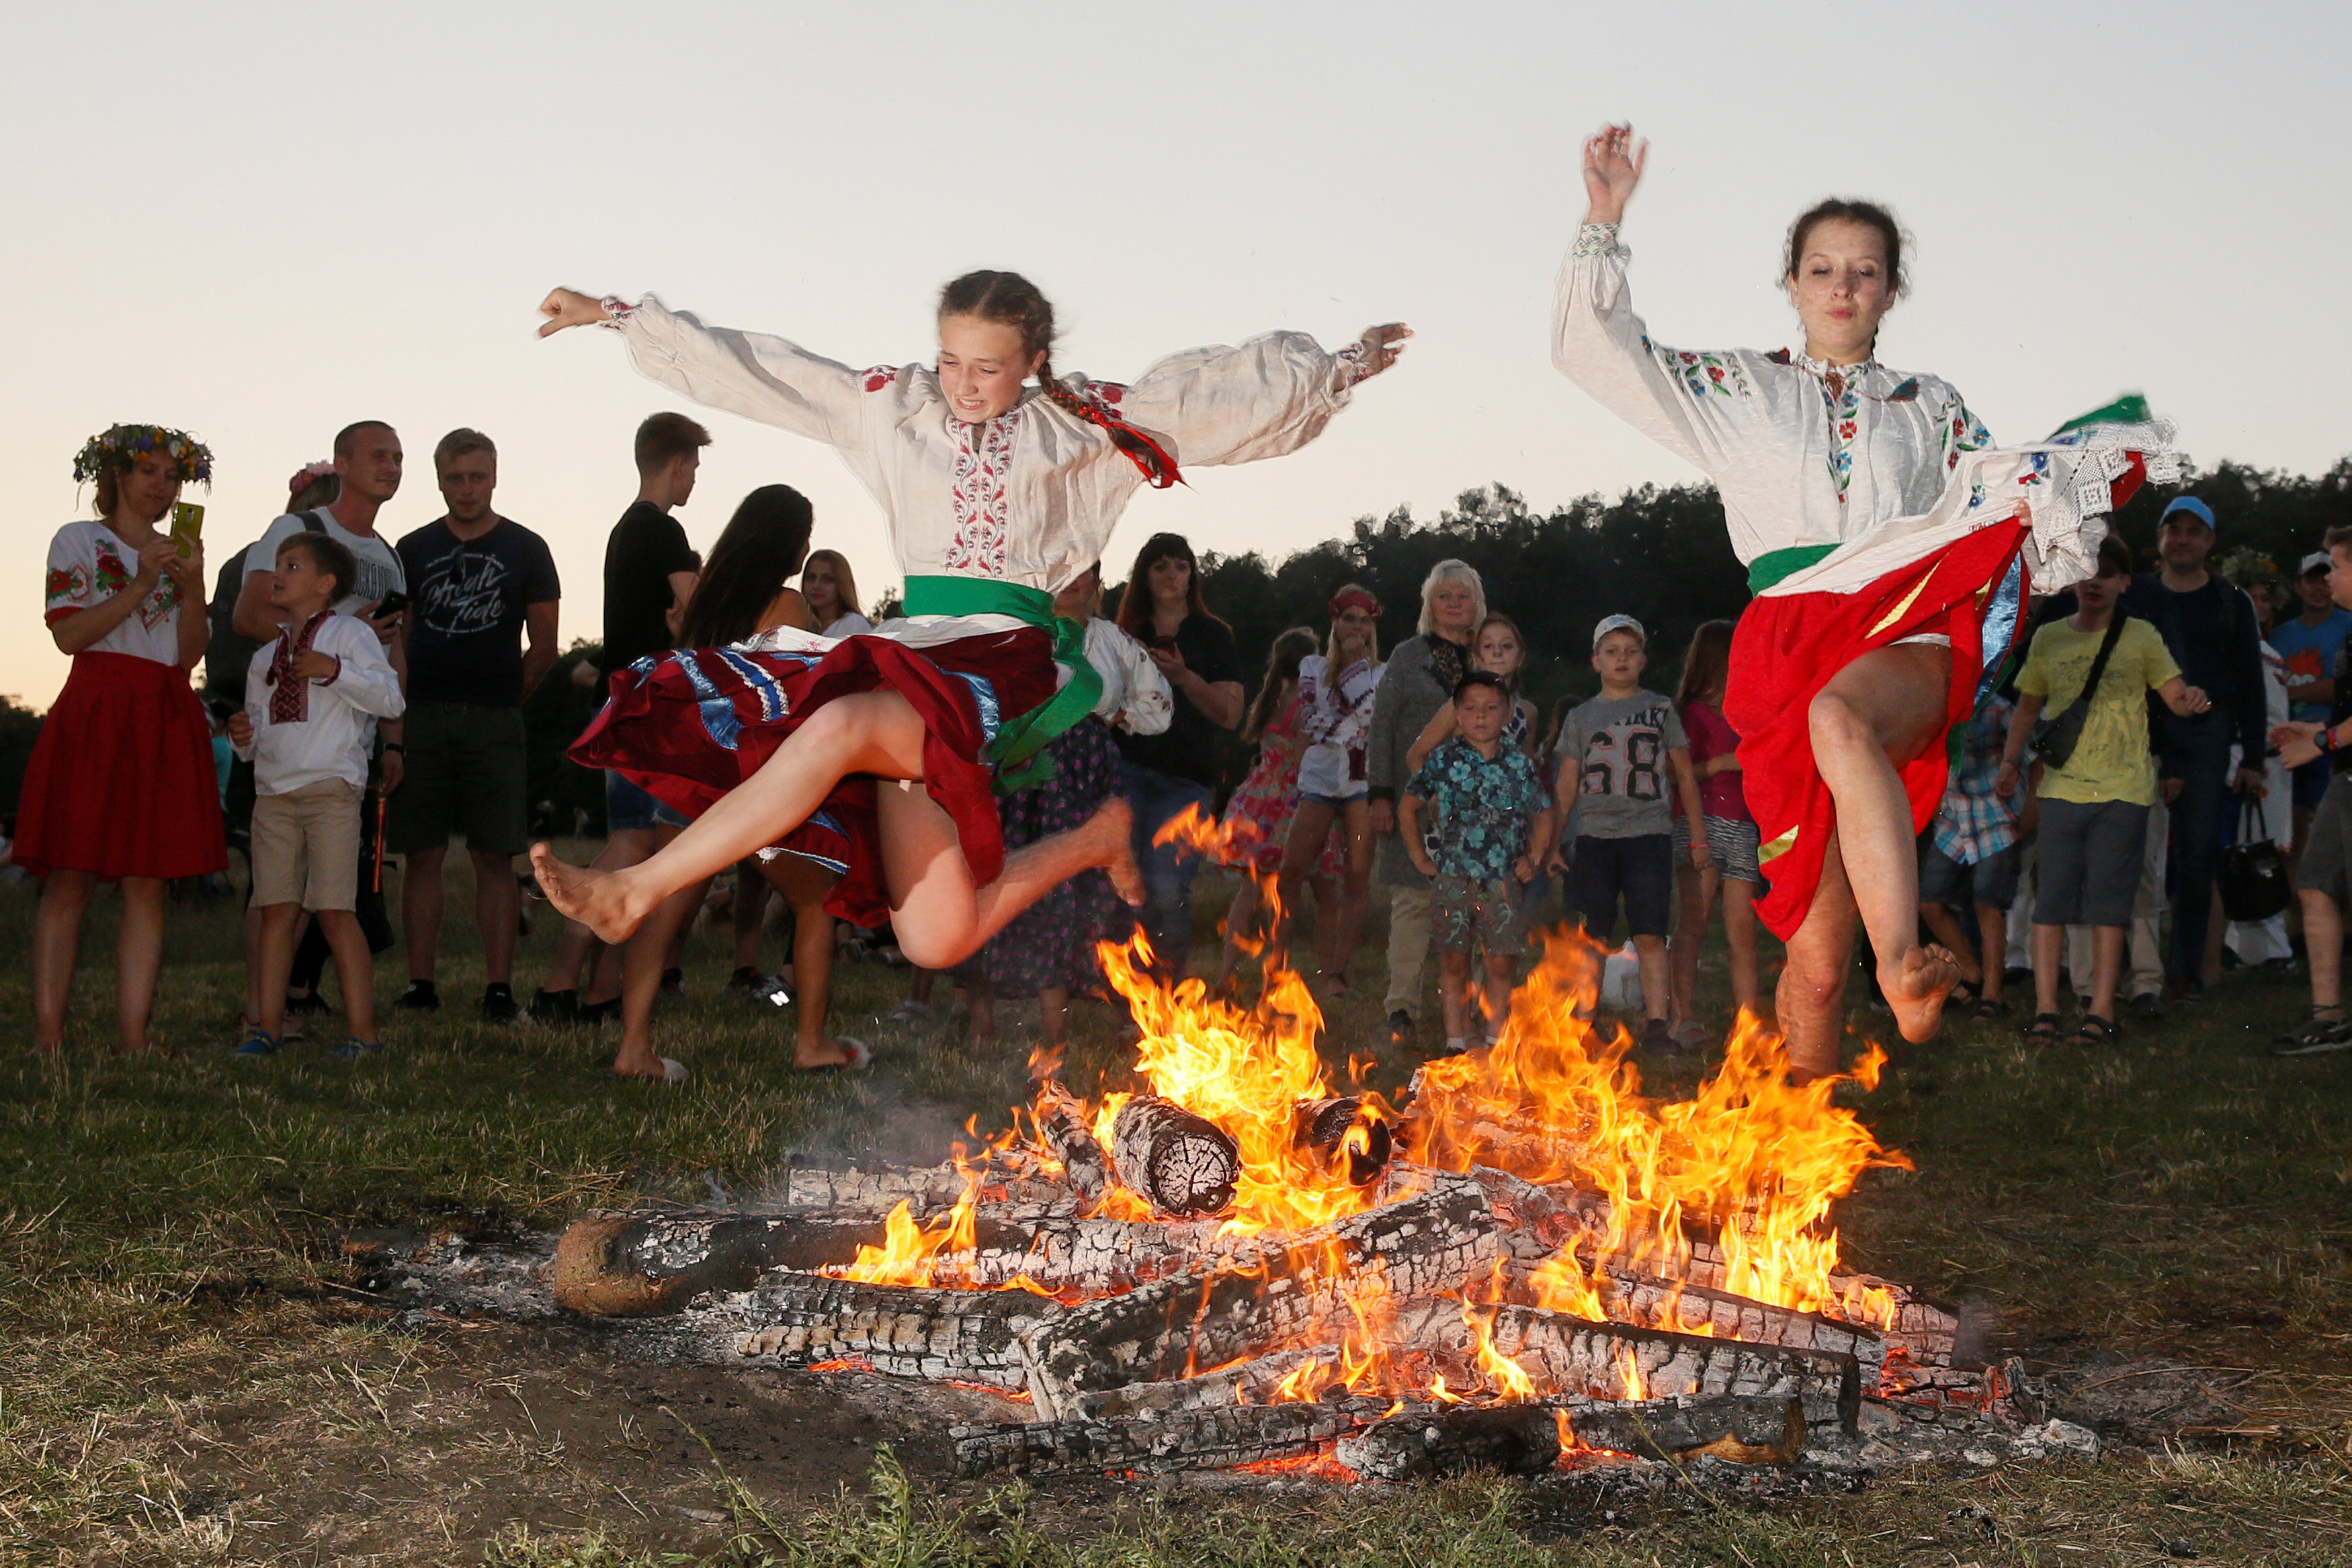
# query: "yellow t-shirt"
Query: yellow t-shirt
{"points": [[2111, 761]]}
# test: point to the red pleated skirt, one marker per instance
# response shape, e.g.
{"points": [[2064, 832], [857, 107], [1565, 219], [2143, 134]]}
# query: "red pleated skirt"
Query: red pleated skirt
{"points": [[1786, 649], [689, 727], [121, 780]]}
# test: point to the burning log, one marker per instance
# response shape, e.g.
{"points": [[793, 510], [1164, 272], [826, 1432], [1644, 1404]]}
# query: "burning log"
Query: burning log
{"points": [[1251, 1382], [1061, 1122], [1536, 1221], [1926, 1331], [1400, 1253], [1094, 1256], [1694, 1309], [1518, 1440], [1179, 1163], [1566, 1353], [1324, 1125], [1743, 1429], [971, 1336], [1012, 1187], [1184, 1441], [611, 1265]]}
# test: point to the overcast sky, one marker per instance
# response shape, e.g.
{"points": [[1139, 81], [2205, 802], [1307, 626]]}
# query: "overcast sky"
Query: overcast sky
{"points": [[260, 222]]}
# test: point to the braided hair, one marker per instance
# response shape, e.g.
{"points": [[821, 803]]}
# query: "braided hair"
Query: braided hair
{"points": [[1009, 299]]}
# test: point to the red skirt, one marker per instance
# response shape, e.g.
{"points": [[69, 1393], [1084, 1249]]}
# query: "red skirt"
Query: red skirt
{"points": [[1786, 649], [121, 780], [700, 721]]}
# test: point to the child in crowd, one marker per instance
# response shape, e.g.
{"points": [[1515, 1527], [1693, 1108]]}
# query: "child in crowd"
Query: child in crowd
{"points": [[2093, 805], [1968, 857], [1616, 753], [1500, 650], [2322, 872], [311, 702], [1484, 808], [1729, 836]]}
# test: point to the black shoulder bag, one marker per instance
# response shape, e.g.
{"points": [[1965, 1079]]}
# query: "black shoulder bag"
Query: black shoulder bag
{"points": [[2055, 736], [2254, 871]]}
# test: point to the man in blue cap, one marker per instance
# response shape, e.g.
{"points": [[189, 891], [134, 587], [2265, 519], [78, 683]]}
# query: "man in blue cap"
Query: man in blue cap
{"points": [[2210, 628]]}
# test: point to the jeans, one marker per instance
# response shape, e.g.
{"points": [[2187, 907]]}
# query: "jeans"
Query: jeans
{"points": [[1166, 916], [2196, 851]]}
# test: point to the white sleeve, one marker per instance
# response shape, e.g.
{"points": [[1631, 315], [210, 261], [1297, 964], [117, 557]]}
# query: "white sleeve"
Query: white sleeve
{"points": [[366, 681], [262, 554], [1314, 699], [768, 379], [1599, 344], [1270, 396], [1142, 696], [70, 583]]}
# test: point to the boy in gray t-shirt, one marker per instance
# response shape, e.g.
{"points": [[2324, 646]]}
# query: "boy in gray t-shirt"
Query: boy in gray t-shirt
{"points": [[1620, 754]]}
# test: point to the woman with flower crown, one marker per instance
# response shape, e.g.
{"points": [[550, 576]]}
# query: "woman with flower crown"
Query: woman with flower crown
{"points": [[996, 495], [1889, 544], [120, 786]]}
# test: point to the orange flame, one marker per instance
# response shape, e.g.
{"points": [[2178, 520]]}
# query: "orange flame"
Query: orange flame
{"points": [[1631, 1383]]}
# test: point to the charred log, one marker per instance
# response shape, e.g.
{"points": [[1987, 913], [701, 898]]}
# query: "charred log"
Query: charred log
{"points": [[1742, 1428], [1061, 1122], [1518, 1440], [613, 1265], [1186, 1440], [1326, 1125], [1615, 1361], [973, 1336], [1179, 1163]]}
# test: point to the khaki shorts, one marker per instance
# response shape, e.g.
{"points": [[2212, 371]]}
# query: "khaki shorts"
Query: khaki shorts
{"points": [[306, 846]]}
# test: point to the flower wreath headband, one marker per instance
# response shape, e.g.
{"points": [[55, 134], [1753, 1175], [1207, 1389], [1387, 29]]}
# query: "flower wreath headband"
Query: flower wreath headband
{"points": [[117, 449]]}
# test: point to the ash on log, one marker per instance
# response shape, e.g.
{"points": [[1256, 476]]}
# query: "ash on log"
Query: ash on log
{"points": [[1061, 1119], [1926, 1331], [1209, 1316], [1179, 1163], [1243, 1383], [1186, 1440], [1566, 1353], [1742, 1428], [1518, 1440], [1011, 1185], [1323, 1126], [973, 1336], [1644, 1296], [614, 1265]]}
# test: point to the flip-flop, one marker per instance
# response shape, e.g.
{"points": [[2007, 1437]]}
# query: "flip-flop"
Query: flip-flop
{"points": [[861, 1057], [673, 1072]]}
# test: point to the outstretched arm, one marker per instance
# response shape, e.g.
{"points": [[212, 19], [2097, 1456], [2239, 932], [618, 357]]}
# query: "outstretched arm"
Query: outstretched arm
{"points": [[1265, 398]]}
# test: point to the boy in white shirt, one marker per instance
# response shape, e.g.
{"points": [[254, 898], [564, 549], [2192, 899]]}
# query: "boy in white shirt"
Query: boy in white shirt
{"points": [[313, 699]]}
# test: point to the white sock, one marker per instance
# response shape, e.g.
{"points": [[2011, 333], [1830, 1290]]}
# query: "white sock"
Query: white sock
{"points": [[1455, 1044]]}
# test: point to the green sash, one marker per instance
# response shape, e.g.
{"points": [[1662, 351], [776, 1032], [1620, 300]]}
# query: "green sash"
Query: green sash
{"points": [[1021, 737], [1770, 568]]}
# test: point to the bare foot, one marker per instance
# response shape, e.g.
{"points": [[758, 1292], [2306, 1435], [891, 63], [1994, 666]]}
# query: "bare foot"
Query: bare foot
{"points": [[1114, 824], [1916, 990], [830, 1053], [599, 900]]}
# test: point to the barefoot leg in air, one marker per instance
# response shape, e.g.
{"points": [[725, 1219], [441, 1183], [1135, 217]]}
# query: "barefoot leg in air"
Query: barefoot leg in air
{"points": [[1877, 713], [940, 918]]}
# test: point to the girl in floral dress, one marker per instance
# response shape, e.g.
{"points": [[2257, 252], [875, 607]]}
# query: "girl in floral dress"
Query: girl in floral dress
{"points": [[121, 784], [995, 495], [1259, 814], [1889, 544]]}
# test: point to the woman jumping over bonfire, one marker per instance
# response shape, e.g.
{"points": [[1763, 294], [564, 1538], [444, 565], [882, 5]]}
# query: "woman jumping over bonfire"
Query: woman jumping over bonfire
{"points": [[996, 495], [1889, 546]]}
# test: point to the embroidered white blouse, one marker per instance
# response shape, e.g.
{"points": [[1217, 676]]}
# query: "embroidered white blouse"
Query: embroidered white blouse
{"points": [[1887, 466], [1337, 722], [1030, 497], [89, 564], [1135, 695]]}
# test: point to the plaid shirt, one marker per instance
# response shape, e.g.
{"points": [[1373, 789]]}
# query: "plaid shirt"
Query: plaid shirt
{"points": [[1973, 823]]}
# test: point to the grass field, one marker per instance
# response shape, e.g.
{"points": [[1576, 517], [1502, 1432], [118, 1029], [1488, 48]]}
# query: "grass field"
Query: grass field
{"points": [[190, 1372]]}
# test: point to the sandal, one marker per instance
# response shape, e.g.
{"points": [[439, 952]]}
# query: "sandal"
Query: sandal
{"points": [[2046, 1029], [1988, 1009], [2319, 1036], [2093, 1029]]}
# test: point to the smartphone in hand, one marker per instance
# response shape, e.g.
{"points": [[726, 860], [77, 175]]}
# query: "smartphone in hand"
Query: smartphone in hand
{"points": [[392, 603], [187, 526]]}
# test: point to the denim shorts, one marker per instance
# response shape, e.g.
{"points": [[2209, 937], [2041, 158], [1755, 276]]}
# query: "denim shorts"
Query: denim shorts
{"points": [[630, 810]]}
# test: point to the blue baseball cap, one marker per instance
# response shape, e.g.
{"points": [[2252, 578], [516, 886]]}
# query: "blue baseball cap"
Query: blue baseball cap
{"points": [[2193, 505]]}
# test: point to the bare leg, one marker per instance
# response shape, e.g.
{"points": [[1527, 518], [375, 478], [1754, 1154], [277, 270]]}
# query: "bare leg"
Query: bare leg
{"points": [[1992, 937], [1452, 993], [1739, 932], [1355, 895], [625, 847], [57, 942], [1883, 709], [138, 960], [253, 963], [354, 969], [942, 919], [2323, 945], [279, 924], [804, 884], [1310, 825], [1241, 920], [641, 974], [1501, 970], [420, 910], [1811, 1000], [751, 910], [1947, 925], [1690, 930], [1652, 952], [497, 903], [2049, 942], [979, 1012], [1052, 1016], [2107, 962]]}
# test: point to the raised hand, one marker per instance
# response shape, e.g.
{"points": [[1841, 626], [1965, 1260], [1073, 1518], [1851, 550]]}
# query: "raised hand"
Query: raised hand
{"points": [[570, 307], [1612, 167], [1382, 346]]}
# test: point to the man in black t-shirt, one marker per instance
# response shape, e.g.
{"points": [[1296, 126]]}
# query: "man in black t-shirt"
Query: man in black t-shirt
{"points": [[649, 572], [475, 581]]}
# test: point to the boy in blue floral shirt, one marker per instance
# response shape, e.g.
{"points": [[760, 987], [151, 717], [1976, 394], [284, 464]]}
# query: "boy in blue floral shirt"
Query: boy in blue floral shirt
{"points": [[1485, 807]]}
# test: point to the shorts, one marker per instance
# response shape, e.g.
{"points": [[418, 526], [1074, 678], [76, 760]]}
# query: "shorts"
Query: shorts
{"points": [[1338, 803], [2090, 862], [465, 773], [1731, 844], [629, 810], [306, 846], [1640, 871], [2311, 781], [2326, 865], [1466, 913], [1988, 883]]}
